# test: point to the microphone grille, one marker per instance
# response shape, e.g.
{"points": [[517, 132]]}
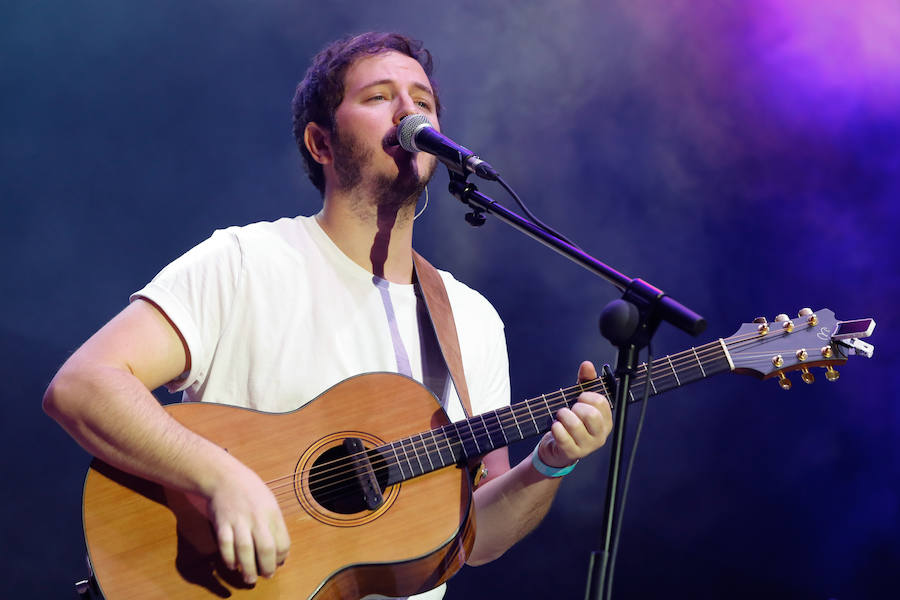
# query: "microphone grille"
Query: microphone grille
{"points": [[409, 126]]}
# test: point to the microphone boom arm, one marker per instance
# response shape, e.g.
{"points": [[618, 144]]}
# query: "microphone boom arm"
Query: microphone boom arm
{"points": [[667, 308]]}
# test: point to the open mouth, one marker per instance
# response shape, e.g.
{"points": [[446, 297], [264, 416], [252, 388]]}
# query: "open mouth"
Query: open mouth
{"points": [[390, 139]]}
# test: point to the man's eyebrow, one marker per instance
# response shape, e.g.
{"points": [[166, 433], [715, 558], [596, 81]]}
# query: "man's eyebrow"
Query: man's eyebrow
{"points": [[417, 85]]}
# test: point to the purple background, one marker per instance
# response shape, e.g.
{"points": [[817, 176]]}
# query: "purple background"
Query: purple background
{"points": [[741, 156]]}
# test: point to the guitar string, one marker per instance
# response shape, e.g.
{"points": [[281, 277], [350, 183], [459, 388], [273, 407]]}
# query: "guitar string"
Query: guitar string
{"points": [[487, 432], [519, 410], [416, 447]]}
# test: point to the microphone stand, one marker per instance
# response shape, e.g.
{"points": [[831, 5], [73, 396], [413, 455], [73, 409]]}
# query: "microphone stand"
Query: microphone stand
{"points": [[628, 323]]}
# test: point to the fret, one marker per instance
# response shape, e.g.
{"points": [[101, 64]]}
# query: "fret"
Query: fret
{"points": [[515, 421], [649, 374], [399, 463], [528, 406], [418, 455], [437, 446], [496, 436], [408, 450], [455, 442], [466, 448], [565, 403], [674, 373], [409, 462], [546, 404], [427, 451], [700, 364], [508, 423], [454, 457], [486, 433], [474, 437]]}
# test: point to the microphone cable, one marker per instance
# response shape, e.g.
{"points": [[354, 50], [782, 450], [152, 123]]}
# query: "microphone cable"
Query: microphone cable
{"points": [[537, 222]]}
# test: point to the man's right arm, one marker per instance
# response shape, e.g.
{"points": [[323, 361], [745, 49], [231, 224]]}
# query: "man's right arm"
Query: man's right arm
{"points": [[101, 396]]}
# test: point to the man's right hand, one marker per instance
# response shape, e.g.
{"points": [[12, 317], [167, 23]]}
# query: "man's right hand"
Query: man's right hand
{"points": [[101, 396], [249, 526]]}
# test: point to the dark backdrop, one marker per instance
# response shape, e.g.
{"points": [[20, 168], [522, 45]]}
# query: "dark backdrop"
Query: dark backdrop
{"points": [[741, 156]]}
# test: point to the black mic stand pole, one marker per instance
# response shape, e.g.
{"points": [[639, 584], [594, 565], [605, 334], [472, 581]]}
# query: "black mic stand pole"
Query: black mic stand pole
{"points": [[629, 324]]}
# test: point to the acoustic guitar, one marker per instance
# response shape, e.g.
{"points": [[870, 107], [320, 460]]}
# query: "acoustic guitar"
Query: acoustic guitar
{"points": [[374, 480]]}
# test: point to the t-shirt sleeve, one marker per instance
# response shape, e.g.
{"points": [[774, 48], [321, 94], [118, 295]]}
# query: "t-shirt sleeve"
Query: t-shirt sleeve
{"points": [[196, 292]]}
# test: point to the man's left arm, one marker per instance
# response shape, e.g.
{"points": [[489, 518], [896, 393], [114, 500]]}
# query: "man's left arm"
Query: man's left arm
{"points": [[511, 502]]}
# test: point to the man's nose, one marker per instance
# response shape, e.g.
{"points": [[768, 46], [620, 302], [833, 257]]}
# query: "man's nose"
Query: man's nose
{"points": [[406, 107]]}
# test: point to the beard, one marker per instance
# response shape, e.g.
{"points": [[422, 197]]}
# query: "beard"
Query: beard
{"points": [[352, 162]]}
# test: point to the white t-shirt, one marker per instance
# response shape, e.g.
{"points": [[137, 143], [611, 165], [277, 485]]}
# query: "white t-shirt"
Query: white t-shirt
{"points": [[273, 314]]}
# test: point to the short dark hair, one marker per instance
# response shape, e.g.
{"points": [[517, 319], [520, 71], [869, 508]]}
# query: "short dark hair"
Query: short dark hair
{"points": [[322, 89]]}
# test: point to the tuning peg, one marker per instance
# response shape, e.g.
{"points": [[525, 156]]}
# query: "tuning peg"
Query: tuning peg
{"points": [[808, 312], [831, 373], [763, 328], [784, 382], [806, 376], [786, 322]]}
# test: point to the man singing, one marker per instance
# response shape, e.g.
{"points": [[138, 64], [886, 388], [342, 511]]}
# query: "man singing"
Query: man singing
{"points": [[270, 315]]}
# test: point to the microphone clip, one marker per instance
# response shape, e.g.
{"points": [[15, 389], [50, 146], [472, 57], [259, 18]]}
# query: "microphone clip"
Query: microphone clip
{"points": [[460, 186], [475, 218]]}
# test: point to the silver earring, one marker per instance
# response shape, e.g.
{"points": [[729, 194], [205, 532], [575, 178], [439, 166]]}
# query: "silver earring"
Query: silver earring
{"points": [[424, 206]]}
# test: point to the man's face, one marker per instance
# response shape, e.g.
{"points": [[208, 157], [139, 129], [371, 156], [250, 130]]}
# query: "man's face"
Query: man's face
{"points": [[379, 91]]}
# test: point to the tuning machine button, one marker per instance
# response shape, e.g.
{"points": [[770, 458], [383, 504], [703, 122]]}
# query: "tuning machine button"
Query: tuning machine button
{"points": [[784, 382], [806, 376], [786, 322], [763, 328], [831, 373], [807, 312]]}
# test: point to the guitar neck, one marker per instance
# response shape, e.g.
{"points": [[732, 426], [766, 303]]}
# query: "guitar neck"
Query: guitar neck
{"points": [[457, 443]]}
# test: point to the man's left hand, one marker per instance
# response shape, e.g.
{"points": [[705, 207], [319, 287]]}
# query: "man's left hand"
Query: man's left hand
{"points": [[579, 430]]}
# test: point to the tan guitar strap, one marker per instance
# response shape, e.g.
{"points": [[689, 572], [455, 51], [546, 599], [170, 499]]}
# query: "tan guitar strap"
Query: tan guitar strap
{"points": [[438, 305]]}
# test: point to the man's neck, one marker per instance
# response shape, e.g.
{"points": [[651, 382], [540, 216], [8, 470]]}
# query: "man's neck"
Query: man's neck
{"points": [[379, 239]]}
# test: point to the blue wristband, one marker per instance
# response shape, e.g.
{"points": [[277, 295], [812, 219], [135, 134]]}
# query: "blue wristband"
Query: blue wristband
{"points": [[545, 469]]}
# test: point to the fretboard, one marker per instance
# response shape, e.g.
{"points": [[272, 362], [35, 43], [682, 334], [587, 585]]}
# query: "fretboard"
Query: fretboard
{"points": [[457, 443]]}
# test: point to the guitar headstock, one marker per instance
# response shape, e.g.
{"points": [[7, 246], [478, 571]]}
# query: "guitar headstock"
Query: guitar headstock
{"points": [[813, 339]]}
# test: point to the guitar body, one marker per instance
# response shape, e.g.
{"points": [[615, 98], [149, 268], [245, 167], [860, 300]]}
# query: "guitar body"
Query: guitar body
{"points": [[146, 541]]}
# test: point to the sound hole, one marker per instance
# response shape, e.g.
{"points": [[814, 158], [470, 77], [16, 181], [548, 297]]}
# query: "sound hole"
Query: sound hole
{"points": [[335, 483]]}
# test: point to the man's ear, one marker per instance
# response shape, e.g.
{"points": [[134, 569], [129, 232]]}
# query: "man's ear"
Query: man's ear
{"points": [[318, 142]]}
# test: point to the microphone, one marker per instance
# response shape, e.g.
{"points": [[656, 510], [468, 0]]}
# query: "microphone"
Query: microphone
{"points": [[416, 134]]}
